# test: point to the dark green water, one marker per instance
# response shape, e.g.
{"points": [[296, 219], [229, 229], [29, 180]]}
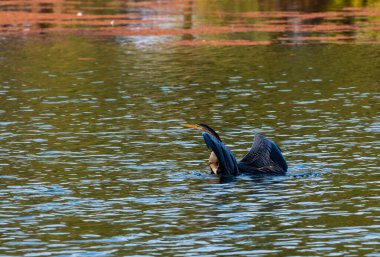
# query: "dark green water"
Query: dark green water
{"points": [[94, 162]]}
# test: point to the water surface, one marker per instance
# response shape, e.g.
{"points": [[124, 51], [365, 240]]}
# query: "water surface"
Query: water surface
{"points": [[93, 159]]}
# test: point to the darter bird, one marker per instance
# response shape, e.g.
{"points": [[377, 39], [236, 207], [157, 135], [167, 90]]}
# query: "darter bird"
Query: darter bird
{"points": [[264, 157]]}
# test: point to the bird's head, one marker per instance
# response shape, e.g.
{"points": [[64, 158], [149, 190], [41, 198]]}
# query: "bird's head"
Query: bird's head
{"points": [[204, 128]]}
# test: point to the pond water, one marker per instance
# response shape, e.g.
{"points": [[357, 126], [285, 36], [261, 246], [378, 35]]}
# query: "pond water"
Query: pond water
{"points": [[94, 160]]}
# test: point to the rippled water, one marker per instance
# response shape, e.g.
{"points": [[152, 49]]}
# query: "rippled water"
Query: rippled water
{"points": [[94, 161]]}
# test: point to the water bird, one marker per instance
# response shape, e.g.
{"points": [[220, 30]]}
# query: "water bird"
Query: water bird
{"points": [[264, 157]]}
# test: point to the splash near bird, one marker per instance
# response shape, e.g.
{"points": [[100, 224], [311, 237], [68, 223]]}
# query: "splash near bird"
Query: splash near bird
{"points": [[264, 157]]}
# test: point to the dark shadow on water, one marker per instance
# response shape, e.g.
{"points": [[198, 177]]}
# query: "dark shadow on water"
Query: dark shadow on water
{"points": [[294, 173], [227, 179]]}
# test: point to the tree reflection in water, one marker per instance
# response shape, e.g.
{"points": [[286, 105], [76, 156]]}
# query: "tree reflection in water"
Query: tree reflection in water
{"points": [[199, 21]]}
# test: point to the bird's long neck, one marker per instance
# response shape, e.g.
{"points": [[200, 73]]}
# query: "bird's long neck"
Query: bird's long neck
{"points": [[213, 163], [209, 130]]}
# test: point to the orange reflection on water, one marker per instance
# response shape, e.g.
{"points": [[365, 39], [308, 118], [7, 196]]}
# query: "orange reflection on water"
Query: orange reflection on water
{"points": [[196, 22]]}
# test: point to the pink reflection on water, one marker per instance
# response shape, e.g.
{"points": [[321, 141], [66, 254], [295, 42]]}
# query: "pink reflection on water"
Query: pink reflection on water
{"points": [[192, 22]]}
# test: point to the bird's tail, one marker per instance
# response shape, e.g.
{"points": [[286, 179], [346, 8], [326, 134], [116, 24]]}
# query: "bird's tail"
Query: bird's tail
{"points": [[227, 162]]}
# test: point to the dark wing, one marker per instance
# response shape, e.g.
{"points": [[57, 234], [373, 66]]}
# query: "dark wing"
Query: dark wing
{"points": [[264, 157], [226, 159]]}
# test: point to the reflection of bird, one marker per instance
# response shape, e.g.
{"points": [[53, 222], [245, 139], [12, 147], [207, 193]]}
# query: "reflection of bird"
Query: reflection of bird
{"points": [[264, 157]]}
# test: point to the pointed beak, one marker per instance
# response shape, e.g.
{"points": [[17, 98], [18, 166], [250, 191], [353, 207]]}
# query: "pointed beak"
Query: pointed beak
{"points": [[193, 126]]}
